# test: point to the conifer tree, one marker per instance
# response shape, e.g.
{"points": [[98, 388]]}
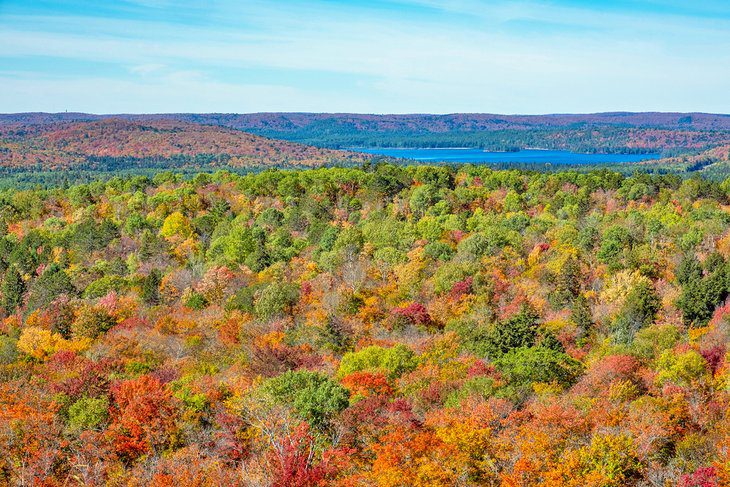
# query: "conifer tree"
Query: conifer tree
{"points": [[12, 290]]}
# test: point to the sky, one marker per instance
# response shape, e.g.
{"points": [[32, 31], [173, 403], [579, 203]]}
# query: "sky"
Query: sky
{"points": [[369, 56]]}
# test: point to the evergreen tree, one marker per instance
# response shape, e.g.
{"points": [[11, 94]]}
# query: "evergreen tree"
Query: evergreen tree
{"points": [[518, 331], [689, 270], [54, 282], [640, 310], [12, 290], [642, 304], [568, 282], [581, 316], [700, 296], [151, 287]]}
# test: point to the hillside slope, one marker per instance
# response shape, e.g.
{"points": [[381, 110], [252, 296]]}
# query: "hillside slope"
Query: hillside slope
{"points": [[602, 132], [714, 163], [389, 327], [100, 142], [418, 122]]}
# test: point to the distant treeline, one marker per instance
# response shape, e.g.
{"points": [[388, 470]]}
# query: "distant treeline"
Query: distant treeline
{"points": [[107, 168], [588, 140]]}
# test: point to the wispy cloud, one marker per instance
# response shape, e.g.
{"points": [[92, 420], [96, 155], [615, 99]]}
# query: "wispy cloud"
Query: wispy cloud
{"points": [[386, 56]]}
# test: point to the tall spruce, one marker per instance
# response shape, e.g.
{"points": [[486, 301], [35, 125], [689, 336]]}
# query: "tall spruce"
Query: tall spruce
{"points": [[12, 290]]}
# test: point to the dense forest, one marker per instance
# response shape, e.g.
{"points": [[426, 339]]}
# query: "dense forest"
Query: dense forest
{"points": [[384, 325], [604, 132], [404, 122], [116, 144], [578, 139], [47, 150]]}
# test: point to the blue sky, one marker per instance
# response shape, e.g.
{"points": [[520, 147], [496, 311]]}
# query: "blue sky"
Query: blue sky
{"points": [[377, 56]]}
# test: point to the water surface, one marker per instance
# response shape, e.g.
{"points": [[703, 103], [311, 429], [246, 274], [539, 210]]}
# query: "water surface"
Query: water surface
{"points": [[521, 157]]}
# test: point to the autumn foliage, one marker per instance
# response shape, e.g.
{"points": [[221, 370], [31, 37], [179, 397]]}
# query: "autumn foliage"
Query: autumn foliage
{"points": [[388, 326]]}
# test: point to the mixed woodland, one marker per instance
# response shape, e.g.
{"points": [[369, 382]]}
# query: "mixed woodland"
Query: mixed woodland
{"points": [[117, 144], [46, 150], [384, 325]]}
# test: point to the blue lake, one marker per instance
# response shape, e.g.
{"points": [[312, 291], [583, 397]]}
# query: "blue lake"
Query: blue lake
{"points": [[521, 157]]}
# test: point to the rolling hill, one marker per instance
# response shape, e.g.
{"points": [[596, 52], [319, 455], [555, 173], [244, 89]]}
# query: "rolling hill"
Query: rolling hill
{"points": [[602, 132], [109, 142], [713, 163]]}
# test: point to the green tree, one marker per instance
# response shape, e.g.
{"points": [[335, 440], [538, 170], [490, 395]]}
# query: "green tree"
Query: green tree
{"points": [[700, 296], [582, 316], [615, 241], [12, 290], [276, 299], [393, 361], [642, 304], [150, 291], [54, 282], [518, 331], [88, 413], [568, 282], [313, 397], [639, 311], [422, 198], [526, 365], [689, 270], [89, 235]]}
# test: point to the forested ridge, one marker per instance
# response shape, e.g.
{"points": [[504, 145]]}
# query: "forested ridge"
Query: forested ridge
{"points": [[46, 150], [113, 144], [617, 132], [385, 325]]}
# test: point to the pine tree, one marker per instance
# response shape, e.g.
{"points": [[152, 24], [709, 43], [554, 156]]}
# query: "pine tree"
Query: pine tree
{"points": [[568, 282], [12, 290], [689, 270], [518, 331], [151, 287], [642, 305], [581, 316]]}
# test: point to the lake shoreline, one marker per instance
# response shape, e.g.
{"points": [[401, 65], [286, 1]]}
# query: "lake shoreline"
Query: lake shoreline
{"points": [[525, 156]]}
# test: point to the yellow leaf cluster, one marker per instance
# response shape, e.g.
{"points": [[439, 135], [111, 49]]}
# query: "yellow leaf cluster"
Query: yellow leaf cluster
{"points": [[621, 284], [40, 344]]}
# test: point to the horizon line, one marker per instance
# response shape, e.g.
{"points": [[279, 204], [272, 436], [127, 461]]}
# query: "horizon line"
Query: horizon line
{"points": [[443, 114]]}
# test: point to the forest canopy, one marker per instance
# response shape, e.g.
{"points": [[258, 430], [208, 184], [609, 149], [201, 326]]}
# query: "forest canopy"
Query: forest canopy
{"points": [[386, 325]]}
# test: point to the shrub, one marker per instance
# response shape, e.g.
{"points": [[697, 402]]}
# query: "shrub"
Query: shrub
{"points": [[680, 368], [313, 397], [88, 413], [394, 361], [92, 322], [526, 365]]}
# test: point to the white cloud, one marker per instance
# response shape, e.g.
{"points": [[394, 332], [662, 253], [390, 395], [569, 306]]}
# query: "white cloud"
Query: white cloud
{"points": [[417, 64], [146, 69]]}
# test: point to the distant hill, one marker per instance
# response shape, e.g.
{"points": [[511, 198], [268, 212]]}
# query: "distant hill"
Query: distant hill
{"points": [[283, 121], [48, 143], [713, 163], [601, 132]]}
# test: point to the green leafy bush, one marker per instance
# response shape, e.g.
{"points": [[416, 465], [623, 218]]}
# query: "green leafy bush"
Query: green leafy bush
{"points": [[88, 413], [394, 361], [313, 397]]}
